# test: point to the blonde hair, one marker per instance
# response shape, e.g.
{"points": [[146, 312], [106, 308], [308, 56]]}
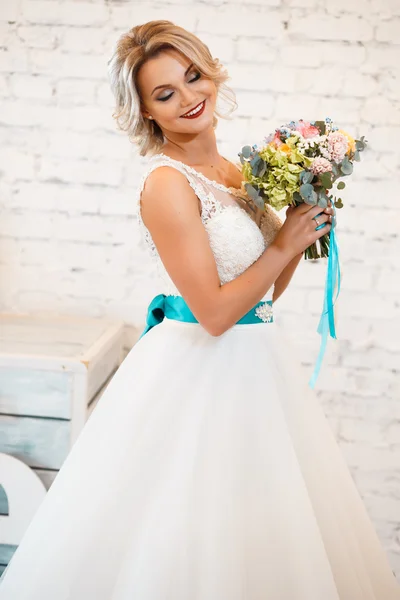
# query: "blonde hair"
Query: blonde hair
{"points": [[132, 50]]}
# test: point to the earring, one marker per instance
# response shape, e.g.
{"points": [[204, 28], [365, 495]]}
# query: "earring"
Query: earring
{"points": [[150, 117]]}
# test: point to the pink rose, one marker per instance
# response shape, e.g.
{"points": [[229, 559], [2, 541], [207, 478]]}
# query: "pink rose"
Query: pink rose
{"points": [[306, 129]]}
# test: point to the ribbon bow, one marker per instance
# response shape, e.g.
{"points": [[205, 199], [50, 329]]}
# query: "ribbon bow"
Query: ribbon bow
{"points": [[173, 307]]}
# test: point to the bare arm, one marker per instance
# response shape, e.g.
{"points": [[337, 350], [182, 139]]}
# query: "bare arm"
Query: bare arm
{"points": [[270, 223], [170, 211], [285, 277]]}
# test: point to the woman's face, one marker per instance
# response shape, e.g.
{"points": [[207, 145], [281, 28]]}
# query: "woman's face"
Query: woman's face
{"points": [[171, 87]]}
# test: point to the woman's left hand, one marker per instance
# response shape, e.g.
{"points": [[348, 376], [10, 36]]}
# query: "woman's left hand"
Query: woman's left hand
{"points": [[328, 210]]}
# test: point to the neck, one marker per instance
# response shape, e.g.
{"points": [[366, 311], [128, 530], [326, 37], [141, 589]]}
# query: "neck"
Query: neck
{"points": [[199, 150]]}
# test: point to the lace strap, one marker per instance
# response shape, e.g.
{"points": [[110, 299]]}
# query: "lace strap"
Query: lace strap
{"points": [[161, 162], [209, 203]]}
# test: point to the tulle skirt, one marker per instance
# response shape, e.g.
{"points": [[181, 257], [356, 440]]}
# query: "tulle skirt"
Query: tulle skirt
{"points": [[207, 471]]}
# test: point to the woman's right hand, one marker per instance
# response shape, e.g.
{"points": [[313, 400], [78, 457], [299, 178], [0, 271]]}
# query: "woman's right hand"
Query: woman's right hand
{"points": [[299, 229]]}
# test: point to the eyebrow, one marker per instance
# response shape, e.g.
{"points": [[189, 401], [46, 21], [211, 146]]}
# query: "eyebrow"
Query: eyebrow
{"points": [[164, 85]]}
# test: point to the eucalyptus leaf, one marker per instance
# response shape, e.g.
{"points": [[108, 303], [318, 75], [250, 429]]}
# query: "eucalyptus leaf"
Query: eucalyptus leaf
{"points": [[338, 203], [252, 192], [308, 177], [322, 199], [259, 202], [312, 200], [341, 185], [297, 198], [306, 190], [255, 160], [262, 168], [346, 167], [326, 180], [335, 170], [303, 176], [246, 151], [360, 144], [308, 194], [357, 155]]}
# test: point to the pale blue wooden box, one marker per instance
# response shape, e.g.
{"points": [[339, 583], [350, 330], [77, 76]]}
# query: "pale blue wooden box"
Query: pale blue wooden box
{"points": [[53, 370]]}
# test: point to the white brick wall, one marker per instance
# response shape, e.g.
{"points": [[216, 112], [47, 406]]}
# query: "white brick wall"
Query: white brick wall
{"points": [[68, 237]]}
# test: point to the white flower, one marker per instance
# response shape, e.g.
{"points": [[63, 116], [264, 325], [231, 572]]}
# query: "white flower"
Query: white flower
{"points": [[264, 312]]}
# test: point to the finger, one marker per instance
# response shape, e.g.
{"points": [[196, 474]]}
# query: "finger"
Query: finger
{"points": [[289, 210], [304, 208], [322, 218], [329, 210], [314, 211], [324, 230], [321, 223]]}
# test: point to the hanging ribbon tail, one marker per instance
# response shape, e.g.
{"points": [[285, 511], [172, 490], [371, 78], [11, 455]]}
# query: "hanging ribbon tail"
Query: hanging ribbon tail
{"points": [[327, 320], [155, 313]]}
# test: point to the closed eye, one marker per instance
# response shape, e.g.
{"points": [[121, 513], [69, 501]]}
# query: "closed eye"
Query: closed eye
{"points": [[197, 76]]}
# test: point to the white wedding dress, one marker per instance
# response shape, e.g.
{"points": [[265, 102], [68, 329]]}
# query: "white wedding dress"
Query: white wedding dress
{"points": [[208, 470]]}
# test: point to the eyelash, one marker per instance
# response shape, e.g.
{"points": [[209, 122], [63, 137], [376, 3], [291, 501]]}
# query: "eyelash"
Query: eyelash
{"points": [[198, 75]]}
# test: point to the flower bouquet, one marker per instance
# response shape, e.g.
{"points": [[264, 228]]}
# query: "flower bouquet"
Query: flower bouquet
{"points": [[300, 162]]}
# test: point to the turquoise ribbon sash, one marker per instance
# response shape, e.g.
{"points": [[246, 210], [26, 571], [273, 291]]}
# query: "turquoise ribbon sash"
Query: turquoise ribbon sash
{"points": [[175, 307], [327, 319]]}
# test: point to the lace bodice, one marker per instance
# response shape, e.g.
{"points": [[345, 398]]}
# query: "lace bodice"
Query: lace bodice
{"points": [[234, 236]]}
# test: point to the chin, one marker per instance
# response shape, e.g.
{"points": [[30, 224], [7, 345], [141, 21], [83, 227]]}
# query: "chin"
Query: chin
{"points": [[203, 123], [198, 127]]}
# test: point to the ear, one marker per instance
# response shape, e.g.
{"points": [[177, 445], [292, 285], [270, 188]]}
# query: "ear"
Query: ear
{"points": [[145, 113]]}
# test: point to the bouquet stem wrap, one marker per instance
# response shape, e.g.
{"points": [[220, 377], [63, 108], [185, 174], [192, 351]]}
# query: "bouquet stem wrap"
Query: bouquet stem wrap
{"points": [[327, 320]]}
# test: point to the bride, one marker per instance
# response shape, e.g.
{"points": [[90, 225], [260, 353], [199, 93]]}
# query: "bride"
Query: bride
{"points": [[208, 470]]}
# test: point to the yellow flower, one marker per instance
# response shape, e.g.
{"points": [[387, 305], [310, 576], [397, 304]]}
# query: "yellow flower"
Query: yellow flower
{"points": [[352, 142], [285, 148]]}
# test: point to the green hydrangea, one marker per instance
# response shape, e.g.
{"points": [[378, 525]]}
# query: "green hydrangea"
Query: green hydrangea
{"points": [[282, 177]]}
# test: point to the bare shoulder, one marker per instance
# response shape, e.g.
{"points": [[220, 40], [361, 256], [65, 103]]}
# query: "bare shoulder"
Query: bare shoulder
{"points": [[164, 178], [167, 191], [167, 199]]}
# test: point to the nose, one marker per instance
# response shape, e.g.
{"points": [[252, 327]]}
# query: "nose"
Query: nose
{"points": [[187, 97]]}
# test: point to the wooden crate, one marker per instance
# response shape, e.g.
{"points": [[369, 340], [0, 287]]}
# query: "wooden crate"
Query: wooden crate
{"points": [[53, 370]]}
